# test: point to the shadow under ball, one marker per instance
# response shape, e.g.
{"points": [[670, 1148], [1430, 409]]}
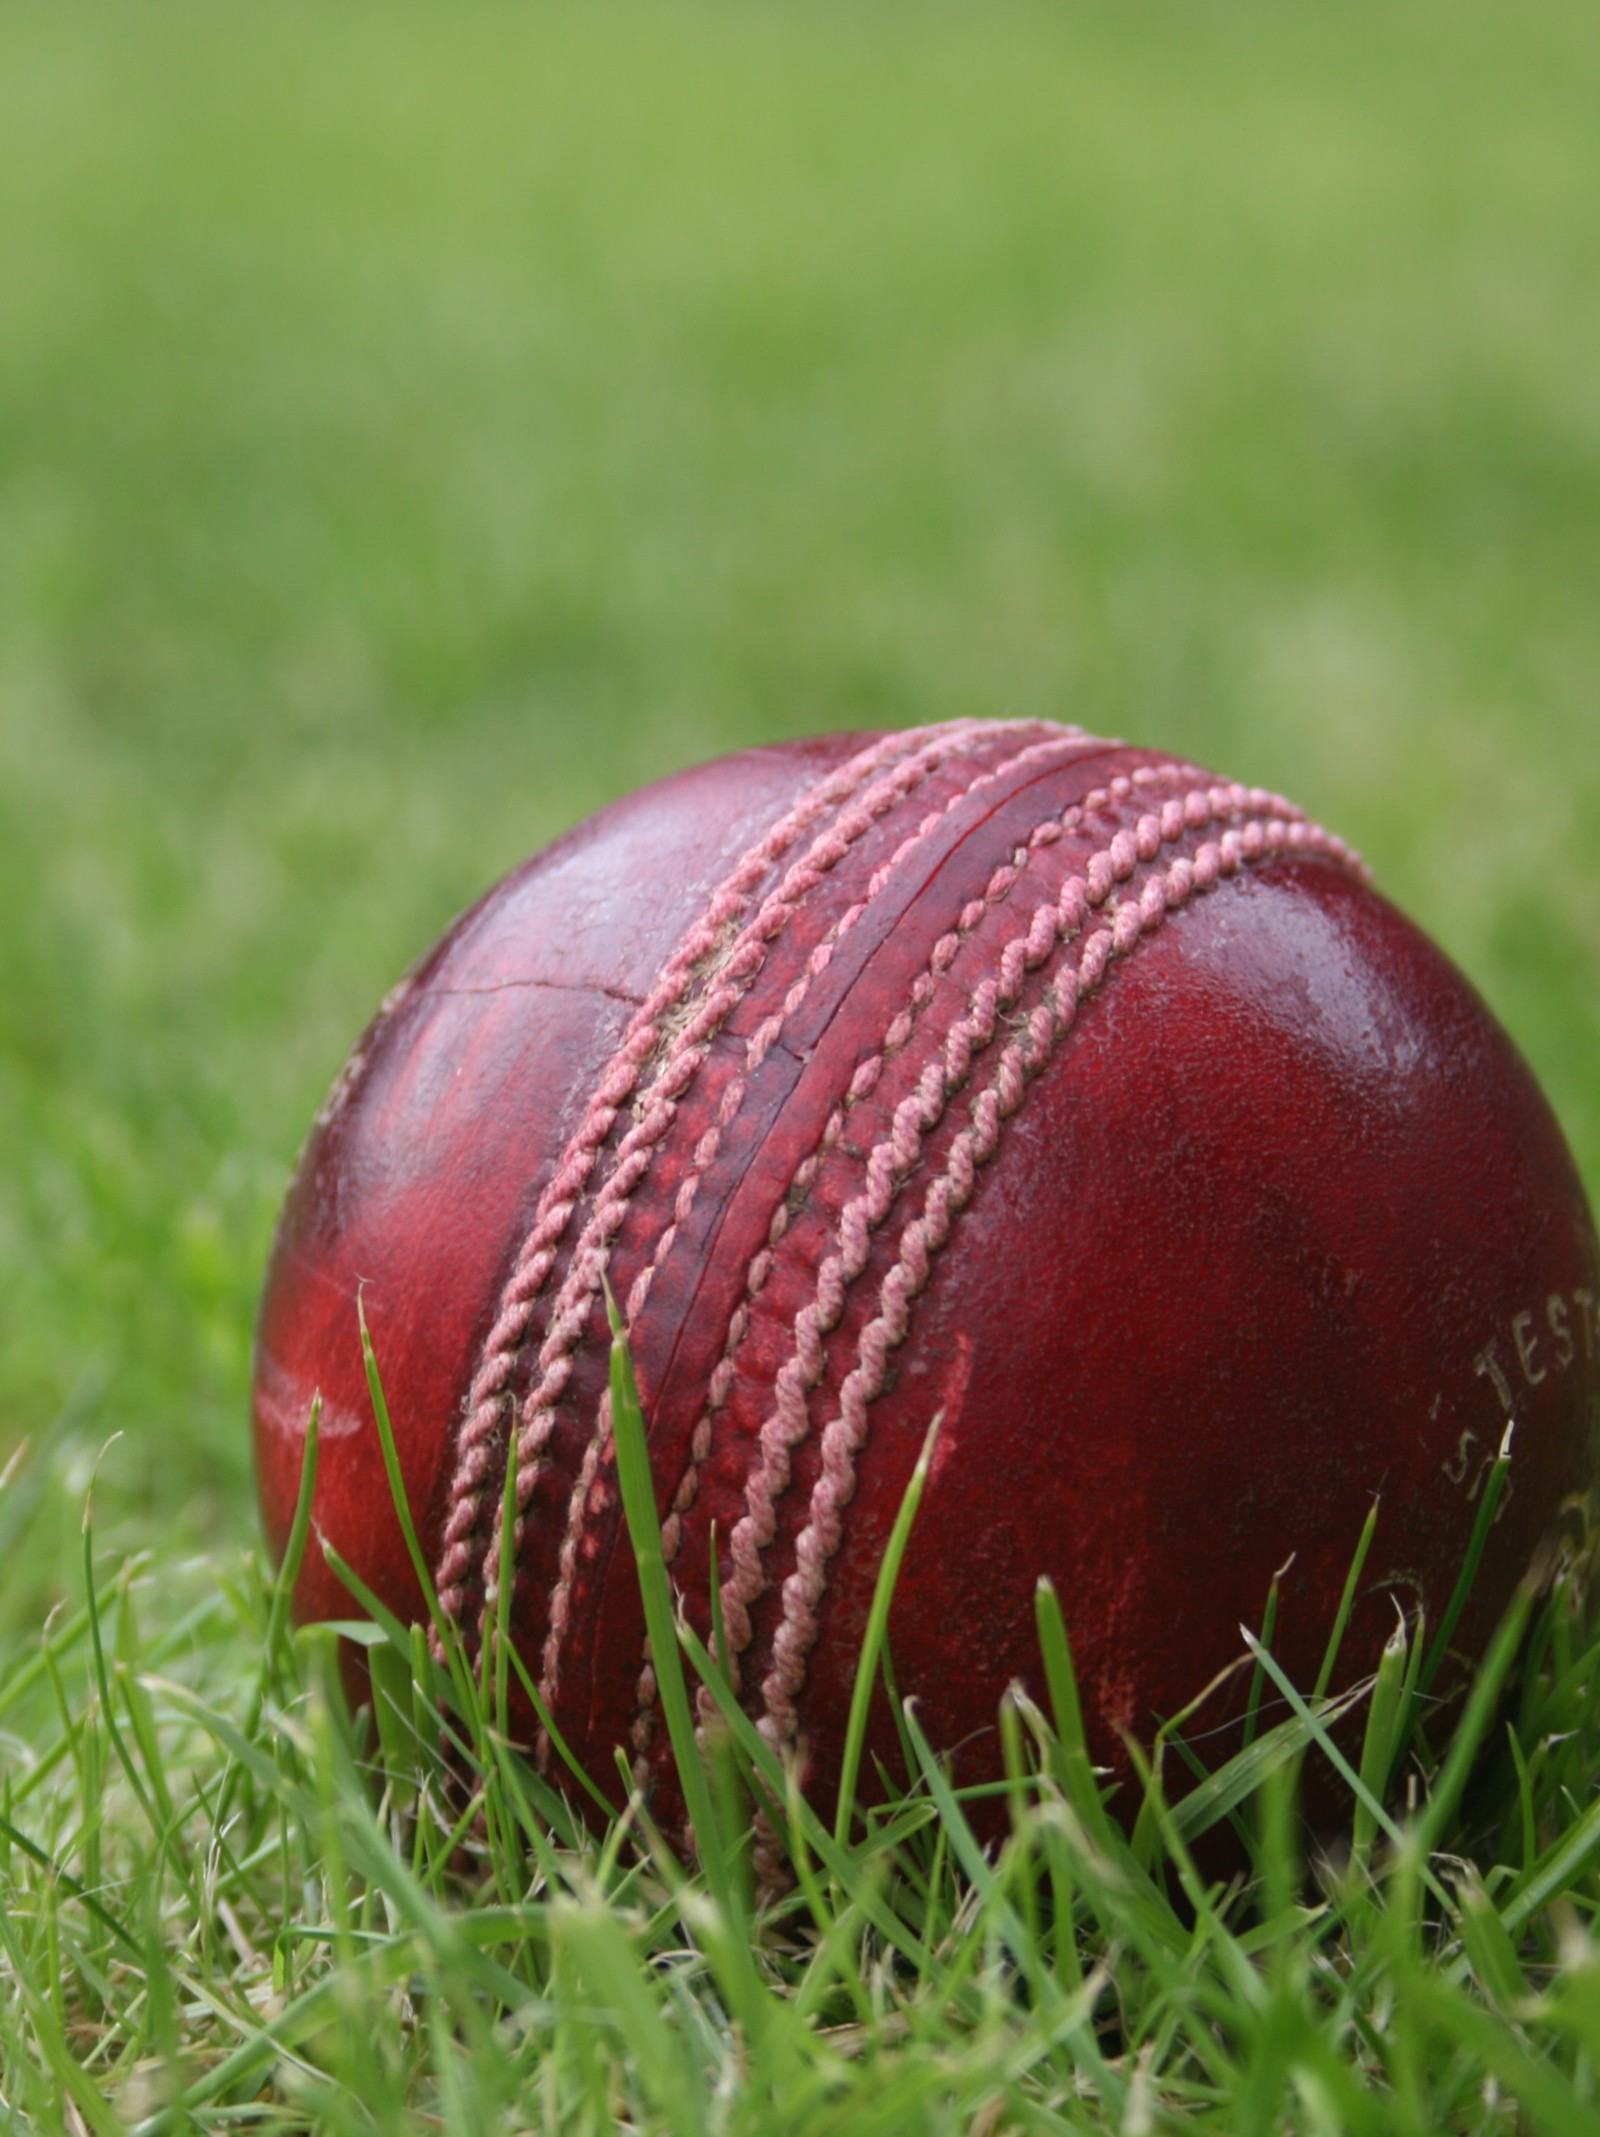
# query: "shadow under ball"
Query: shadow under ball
{"points": [[986, 1069]]}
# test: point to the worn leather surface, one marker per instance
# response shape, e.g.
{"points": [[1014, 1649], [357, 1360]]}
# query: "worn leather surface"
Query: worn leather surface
{"points": [[1275, 1221]]}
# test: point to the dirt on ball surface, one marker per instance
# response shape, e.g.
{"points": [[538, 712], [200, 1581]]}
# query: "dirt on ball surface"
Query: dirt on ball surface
{"points": [[988, 1069]]}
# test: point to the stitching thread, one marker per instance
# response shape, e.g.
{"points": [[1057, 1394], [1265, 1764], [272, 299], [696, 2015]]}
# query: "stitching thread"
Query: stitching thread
{"points": [[1258, 837], [755, 1531], [731, 981], [462, 1550], [668, 1030], [571, 1318]]}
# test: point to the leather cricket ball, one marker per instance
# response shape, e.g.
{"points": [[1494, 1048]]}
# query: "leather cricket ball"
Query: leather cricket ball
{"points": [[987, 1069]]}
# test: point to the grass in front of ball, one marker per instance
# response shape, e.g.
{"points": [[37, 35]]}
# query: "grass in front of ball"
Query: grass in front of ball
{"points": [[228, 1903]]}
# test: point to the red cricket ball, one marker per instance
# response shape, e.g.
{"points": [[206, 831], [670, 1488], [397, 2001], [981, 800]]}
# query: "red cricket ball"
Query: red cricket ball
{"points": [[988, 1069]]}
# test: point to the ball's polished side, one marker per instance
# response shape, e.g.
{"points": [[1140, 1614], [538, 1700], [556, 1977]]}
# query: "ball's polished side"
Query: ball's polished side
{"points": [[988, 1069]]}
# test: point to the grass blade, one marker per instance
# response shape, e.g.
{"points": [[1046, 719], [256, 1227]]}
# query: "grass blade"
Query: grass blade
{"points": [[872, 1640], [391, 1466], [1077, 1774], [1341, 1617], [1495, 1482], [644, 1527]]}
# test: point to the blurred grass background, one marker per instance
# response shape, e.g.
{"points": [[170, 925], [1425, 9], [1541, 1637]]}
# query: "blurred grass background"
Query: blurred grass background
{"points": [[418, 426]]}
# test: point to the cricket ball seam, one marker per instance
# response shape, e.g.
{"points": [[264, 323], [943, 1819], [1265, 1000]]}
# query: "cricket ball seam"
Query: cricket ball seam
{"points": [[897, 1155], [784, 1431], [463, 1549], [758, 1046], [862, 1083], [1018, 1068], [729, 981]]}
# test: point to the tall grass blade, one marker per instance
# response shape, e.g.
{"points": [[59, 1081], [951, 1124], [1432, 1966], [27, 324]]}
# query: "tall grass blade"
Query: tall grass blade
{"points": [[294, 1550], [644, 1527], [872, 1640], [1077, 1775], [446, 1632], [1499, 1475], [1477, 1715], [1269, 1627], [15, 1837], [391, 1466], [1341, 1617], [1386, 1715]]}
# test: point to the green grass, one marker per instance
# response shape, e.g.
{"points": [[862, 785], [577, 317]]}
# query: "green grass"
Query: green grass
{"points": [[228, 1904], [417, 426]]}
